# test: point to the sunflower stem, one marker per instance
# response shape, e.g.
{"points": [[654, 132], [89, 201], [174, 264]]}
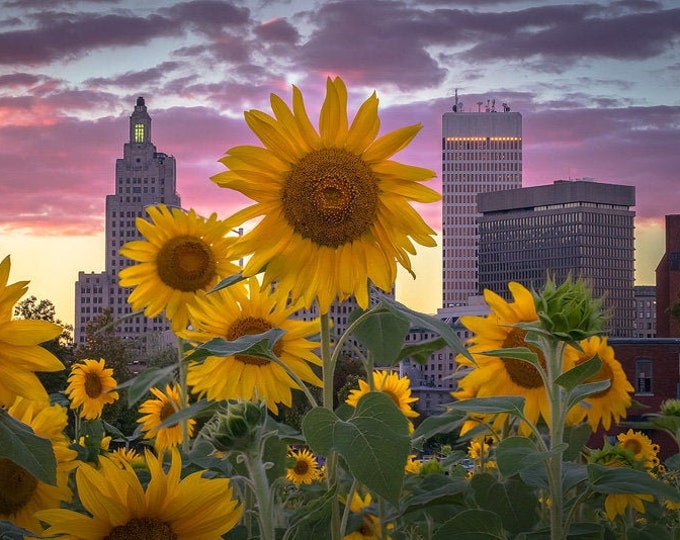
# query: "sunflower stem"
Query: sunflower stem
{"points": [[263, 493], [183, 392], [328, 364]]}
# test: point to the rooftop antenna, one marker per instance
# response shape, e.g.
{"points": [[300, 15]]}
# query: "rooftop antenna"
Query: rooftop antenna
{"points": [[455, 101]]}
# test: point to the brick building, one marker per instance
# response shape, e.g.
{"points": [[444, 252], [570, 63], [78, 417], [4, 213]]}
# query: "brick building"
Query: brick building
{"points": [[668, 280]]}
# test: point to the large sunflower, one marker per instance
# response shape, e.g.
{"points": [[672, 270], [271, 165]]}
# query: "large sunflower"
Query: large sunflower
{"points": [[641, 446], [181, 257], [20, 352], [194, 508], [305, 470], [156, 411], [21, 494], [396, 387], [335, 209], [609, 405], [237, 311], [91, 387], [498, 376]]}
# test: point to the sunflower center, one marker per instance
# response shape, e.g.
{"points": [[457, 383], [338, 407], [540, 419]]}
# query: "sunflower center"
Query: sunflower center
{"points": [[520, 372], [249, 326], [331, 197], [301, 467], [167, 410], [93, 385], [143, 529], [16, 487], [632, 445], [186, 263]]}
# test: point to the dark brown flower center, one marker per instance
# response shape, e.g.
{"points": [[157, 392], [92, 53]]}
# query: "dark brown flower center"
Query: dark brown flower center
{"points": [[249, 326], [93, 385], [186, 263], [331, 197], [16, 487], [633, 445], [167, 410], [143, 529], [604, 374], [520, 372], [301, 467]]}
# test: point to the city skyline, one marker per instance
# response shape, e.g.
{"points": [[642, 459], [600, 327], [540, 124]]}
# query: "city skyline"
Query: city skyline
{"points": [[595, 83]]}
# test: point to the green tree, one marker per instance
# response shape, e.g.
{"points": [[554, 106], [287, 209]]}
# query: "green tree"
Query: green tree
{"points": [[61, 346]]}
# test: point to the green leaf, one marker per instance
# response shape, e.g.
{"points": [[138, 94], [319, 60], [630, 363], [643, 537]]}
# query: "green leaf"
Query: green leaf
{"points": [[446, 422], [429, 323], [576, 437], [582, 391], [383, 333], [420, 352], [192, 411], [515, 502], [576, 375], [518, 353], [227, 281], [621, 480], [21, 445], [374, 442], [251, 344], [139, 386], [515, 454], [472, 525], [490, 405], [434, 489]]}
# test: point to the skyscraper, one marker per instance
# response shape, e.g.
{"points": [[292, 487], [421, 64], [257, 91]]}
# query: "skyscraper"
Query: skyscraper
{"points": [[481, 152], [578, 228], [144, 177]]}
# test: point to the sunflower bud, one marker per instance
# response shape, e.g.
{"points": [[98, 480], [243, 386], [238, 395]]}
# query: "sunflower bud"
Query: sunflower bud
{"points": [[238, 427], [569, 311]]}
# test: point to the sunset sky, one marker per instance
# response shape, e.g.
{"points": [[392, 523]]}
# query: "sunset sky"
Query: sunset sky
{"points": [[597, 83]]}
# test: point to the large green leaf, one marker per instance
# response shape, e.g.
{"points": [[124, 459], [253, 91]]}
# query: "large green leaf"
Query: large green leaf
{"points": [[20, 444], [518, 353], [192, 411], [420, 352], [150, 377], [446, 422], [575, 376], [515, 454], [383, 333], [472, 525], [374, 442], [621, 480], [490, 405], [253, 345], [515, 502], [428, 322]]}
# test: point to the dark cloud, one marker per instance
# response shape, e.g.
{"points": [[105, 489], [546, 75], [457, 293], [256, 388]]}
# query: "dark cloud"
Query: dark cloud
{"points": [[208, 16], [17, 80], [277, 31], [136, 79]]}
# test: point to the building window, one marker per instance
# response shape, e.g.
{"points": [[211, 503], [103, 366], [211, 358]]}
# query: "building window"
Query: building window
{"points": [[139, 132], [643, 376]]}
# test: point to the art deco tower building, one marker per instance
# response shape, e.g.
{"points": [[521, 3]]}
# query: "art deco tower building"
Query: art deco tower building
{"points": [[144, 177], [481, 152]]}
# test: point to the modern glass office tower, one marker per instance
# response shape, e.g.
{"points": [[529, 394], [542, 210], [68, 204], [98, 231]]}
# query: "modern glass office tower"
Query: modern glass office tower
{"points": [[481, 152], [580, 228], [143, 177]]}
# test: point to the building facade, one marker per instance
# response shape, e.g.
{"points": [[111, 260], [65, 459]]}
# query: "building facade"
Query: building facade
{"points": [[578, 228], [143, 177], [645, 311], [668, 282], [481, 152]]}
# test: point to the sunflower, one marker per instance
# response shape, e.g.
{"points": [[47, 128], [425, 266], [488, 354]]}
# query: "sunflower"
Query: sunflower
{"points": [[21, 494], [182, 256], [335, 209], [390, 383], [238, 311], [498, 376], [127, 455], [305, 470], [369, 527], [156, 411], [640, 446], [194, 508], [608, 405], [20, 352], [91, 387]]}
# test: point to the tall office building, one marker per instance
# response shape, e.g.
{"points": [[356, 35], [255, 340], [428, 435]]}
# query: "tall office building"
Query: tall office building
{"points": [[578, 228], [481, 152], [144, 177]]}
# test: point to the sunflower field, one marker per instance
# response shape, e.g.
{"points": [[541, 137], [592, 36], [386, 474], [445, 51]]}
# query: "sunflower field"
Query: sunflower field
{"points": [[212, 458]]}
